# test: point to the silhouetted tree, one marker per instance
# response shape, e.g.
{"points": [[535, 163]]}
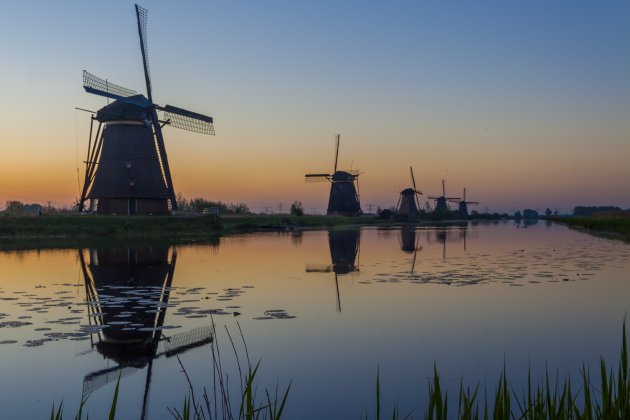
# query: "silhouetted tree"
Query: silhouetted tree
{"points": [[297, 209]]}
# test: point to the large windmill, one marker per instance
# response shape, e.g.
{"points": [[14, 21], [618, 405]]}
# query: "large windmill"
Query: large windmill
{"points": [[440, 201], [344, 196], [463, 205], [127, 169], [408, 205]]}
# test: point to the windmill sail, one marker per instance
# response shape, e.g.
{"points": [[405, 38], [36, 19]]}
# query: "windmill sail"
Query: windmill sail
{"points": [[98, 86], [188, 120]]}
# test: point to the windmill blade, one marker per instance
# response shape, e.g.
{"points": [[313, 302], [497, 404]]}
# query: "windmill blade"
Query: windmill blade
{"points": [[141, 14], [317, 177], [336, 151], [413, 179], [453, 198], [95, 380], [188, 120], [464, 194], [318, 268], [98, 86], [443, 188], [433, 197], [185, 341], [472, 202]]}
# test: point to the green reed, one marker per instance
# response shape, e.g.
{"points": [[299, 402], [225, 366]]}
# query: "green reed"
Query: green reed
{"points": [[547, 399]]}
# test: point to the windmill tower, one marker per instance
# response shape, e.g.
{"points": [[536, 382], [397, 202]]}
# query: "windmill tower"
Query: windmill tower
{"points": [[441, 207], [127, 170], [463, 206], [408, 205], [344, 196]]}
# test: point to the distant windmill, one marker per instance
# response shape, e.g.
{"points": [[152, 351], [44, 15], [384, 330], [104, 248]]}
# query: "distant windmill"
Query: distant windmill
{"points": [[463, 206], [127, 169], [408, 205], [344, 196], [440, 201], [344, 247]]}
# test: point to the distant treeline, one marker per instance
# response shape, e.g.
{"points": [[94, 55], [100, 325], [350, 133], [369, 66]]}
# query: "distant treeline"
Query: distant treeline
{"points": [[589, 210], [17, 208]]}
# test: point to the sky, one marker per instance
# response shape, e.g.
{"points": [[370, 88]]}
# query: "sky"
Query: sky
{"points": [[524, 103]]}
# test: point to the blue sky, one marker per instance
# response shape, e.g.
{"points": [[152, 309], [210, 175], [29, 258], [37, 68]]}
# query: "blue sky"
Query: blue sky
{"points": [[523, 103]]}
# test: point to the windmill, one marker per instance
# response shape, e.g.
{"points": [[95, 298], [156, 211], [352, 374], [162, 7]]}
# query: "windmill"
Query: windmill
{"points": [[441, 207], [463, 206], [127, 170], [344, 196], [344, 247], [408, 205], [127, 291]]}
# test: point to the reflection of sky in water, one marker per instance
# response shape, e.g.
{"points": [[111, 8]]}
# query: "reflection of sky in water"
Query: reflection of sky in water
{"points": [[313, 313]]}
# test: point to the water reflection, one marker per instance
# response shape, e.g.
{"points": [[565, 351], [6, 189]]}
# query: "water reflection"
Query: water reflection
{"points": [[455, 232], [344, 251], [409, 243], [127, 292]]}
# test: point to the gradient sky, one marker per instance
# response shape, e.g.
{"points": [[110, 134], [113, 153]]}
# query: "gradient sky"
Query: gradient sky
{"points": [[525, 103]]}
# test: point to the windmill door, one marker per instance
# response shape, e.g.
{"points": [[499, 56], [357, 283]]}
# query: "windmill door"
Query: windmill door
{"points": [[133, 206]]}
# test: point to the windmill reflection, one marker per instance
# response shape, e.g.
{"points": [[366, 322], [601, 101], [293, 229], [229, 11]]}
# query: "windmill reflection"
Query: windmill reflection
{"points": [[454, 232], [344, 250], [128, 291], [409, 242]]}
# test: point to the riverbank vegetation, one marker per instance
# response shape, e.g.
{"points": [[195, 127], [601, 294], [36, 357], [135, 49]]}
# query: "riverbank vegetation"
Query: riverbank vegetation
{"points": [[618, 223], [607, 397]]}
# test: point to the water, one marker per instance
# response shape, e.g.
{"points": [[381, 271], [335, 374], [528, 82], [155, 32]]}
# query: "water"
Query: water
{"points": [[323, 310]]}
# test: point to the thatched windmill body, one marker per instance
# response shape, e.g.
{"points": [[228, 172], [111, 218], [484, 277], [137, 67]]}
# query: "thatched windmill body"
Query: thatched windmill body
{"points": [[344, 195], [463, 206], [441, 206], [408, 205], [127, 170]]}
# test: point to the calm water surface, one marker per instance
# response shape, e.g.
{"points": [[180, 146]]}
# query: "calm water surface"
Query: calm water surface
{"points": [[323, 309]]}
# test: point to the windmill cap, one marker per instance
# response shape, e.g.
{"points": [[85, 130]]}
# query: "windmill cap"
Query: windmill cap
{"points": [[132, 108]]}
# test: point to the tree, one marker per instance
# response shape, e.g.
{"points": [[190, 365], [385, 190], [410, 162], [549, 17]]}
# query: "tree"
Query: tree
{"points": [[297, 209]]}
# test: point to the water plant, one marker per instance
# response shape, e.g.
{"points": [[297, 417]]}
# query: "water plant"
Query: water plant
{"points": [[547, 399]]}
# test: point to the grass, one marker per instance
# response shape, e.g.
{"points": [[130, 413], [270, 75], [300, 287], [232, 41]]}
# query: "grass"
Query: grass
{"points": [[23, 229], [614, 224], [547, 399]]}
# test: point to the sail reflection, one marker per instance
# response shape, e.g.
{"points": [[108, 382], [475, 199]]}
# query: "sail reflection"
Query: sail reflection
{"points": [[128, 291], [344, 250]]}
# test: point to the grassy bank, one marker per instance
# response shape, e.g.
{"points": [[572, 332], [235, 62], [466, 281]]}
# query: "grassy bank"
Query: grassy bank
{"points": [[75, 227], [612, 224]]}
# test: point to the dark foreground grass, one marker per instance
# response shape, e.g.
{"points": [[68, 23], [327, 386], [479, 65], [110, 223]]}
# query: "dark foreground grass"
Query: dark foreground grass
{"points": [[607, 397], [613, 224]]}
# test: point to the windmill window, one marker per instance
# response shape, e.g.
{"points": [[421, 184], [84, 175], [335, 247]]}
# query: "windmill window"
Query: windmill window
{"points": [[128, 164], [131, 182]]}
